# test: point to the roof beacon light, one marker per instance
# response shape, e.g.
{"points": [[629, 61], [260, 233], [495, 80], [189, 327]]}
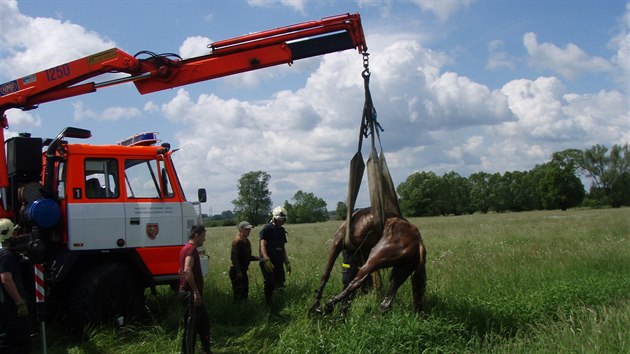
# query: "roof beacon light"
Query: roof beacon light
{"points": [[141, 139]]}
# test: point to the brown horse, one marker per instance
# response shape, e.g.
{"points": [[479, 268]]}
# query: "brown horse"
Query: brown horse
{"points": [[399, 247]]}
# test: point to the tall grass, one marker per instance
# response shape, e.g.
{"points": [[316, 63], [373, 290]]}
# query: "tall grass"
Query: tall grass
{"points": [[543, 282]]}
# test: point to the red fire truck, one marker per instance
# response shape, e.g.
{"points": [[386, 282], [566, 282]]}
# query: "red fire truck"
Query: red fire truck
{"points": [[108, 221]]}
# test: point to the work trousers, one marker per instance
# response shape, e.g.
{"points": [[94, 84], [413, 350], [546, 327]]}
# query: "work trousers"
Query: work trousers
{"points": [[240, 287], [273, 280], [195, 323], [15, 331]]}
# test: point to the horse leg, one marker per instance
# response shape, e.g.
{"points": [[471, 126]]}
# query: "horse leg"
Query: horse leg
{"points": [[419, 280], [398, 276], [364, 271], [332, 256]]}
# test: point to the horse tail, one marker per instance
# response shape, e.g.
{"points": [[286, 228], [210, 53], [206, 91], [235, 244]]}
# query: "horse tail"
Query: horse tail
{"points": [[419, 279]]}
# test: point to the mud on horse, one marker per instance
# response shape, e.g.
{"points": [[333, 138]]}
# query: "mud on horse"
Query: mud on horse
{"points": [[399, 247]]}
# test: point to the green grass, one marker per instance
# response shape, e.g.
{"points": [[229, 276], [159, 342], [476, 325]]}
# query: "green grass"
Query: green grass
{"points": [[532, 282]]}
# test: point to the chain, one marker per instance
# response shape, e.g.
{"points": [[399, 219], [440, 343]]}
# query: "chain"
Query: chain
{"points": [[366, 65]]}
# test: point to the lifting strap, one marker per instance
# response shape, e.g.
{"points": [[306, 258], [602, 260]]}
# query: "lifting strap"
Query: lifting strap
{"points": [[383, 197]]}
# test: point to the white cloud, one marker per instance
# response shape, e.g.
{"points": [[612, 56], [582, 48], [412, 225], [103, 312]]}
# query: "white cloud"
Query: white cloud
{"points": [[569, 62], [297, 5], [497, 58], [442, 9], [151, 107], [548, 119], [23, 119], [621, 44], [114, 113], [538, 108], [605, 116], [297, 136], [194, 47], [37, 43], [459, 101]]}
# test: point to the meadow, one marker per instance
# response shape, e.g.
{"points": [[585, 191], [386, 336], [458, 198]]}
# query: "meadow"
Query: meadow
{"points": [[530, 282]]}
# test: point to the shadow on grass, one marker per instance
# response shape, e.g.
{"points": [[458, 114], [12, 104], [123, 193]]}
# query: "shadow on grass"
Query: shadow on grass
{"points": [[248, 326], [477, 319]]}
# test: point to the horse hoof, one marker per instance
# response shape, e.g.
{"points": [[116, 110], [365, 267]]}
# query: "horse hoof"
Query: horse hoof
{"points": [[315, 310]]}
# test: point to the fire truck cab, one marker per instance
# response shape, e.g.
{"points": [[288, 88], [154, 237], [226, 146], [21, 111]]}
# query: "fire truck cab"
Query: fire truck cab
{"points": [[124, 211]]}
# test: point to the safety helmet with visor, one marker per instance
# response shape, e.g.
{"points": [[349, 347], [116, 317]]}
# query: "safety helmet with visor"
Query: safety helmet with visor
{"points": [[6, 229], [279, 213]]}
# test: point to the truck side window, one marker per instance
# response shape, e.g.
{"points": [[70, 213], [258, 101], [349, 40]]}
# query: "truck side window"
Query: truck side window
{"points": [[101, 178], [146, 179], [61, 180]]}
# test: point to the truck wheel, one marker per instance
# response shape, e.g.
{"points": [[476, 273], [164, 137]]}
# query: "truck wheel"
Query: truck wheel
{"points": [[108, 293]]}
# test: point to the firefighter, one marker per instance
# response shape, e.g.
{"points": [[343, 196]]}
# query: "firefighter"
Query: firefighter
{"points": [[352, 261], [273, 255], [14, 313]]}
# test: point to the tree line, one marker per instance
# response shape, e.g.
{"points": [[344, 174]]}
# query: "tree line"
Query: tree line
{"points": [[254, 204], [556, 184], [552, 185]]}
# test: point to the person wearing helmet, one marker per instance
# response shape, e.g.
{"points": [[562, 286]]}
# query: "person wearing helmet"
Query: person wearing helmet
{"points": [[273, 255], [14, 313]]}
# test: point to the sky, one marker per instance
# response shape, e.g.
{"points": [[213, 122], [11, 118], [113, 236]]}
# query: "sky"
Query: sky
{"points": [[458, 85]]}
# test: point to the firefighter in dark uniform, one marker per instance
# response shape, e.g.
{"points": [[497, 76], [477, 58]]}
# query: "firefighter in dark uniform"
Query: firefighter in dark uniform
{"points": [[273, 255], [15, 328], [352, 261]]}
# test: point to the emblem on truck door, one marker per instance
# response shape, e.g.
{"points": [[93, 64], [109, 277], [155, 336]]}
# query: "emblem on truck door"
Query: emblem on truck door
{"points": [[153, 230]]}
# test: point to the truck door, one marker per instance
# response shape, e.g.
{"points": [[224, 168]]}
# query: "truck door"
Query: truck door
{"points": [[153, 215], [98, 221]]}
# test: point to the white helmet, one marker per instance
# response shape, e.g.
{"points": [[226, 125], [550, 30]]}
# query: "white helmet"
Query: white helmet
{"points": [[279, 213], [6, 229]]}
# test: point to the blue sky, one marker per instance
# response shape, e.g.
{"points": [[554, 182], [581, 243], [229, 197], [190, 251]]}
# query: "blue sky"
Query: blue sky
{"points": [[459, 85]]}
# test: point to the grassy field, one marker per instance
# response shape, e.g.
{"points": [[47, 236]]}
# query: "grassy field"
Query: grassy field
{"points": [[532, 282]]}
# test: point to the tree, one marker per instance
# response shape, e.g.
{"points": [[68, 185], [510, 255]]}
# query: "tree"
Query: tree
{"points": [[342, 211], [227, 214], [559, 187], [568, 157], [524, 193], [254, 198], [610, 174], [618, 175], [306, 209], [500, 193], [419, 194], [455, 194], [479, 189]]}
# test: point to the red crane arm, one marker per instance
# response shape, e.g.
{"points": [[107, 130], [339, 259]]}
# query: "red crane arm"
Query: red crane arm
{"points": [[245, 53], [56, 83], [263, 49]]}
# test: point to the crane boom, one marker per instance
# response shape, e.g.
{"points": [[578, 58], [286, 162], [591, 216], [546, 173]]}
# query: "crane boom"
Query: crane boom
{"points": [[159, 72]]}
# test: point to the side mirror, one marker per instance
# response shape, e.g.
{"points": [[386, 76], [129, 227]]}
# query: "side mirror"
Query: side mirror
{"points": [[72, 132], [201, 195]]}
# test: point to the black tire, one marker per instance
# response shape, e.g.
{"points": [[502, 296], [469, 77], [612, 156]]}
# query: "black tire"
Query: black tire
{"points": [[108, 294]]}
